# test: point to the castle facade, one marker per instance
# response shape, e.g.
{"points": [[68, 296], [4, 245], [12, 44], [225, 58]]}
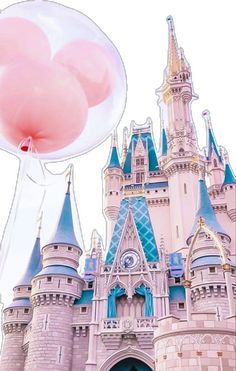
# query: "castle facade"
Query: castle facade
{"points": [[162, 297]]}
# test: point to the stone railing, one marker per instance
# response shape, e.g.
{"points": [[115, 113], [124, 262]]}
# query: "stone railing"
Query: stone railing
{"points": [[126, 324]]}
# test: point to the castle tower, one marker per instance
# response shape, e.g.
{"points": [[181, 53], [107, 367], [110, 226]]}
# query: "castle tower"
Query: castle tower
{"points": [[18, 315], [215, 166], [54, 290], [113, 176], [182, 161], [208, 283]]}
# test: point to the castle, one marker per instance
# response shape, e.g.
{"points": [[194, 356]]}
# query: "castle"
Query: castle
{"points": [[163, 296]]}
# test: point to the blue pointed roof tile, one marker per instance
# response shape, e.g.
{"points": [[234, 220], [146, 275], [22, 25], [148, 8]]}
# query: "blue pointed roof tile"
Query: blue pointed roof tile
{"points": [[139, 209], [212, 146], [114, 158], [163, 142], [152, 157], [229, 175], [65, 230], [205, 210], [34, 265]]}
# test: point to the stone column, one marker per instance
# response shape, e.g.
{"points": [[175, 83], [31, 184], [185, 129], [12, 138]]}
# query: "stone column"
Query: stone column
{"points": [[228, 281], [187, 286]]}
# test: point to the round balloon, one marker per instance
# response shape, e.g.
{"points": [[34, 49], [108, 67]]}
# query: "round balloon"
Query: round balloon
{"points": [[19, 38], [70, 103], [42, 101], [93, 67]]}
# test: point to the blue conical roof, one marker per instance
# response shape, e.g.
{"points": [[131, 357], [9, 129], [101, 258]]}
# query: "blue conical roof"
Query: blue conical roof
{"points": [[205, 210], [229, 175], [114, 158], [65, 230], [163, 142], [34, 265], [212, 145]]}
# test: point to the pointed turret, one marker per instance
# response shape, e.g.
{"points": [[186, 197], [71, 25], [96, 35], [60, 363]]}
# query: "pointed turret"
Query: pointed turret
{"points": [[174, 62], [163, 141], [114, 158], [34, 265], [205, 211], [125, 146], [65, 230], [229, 175], [211, 141]]}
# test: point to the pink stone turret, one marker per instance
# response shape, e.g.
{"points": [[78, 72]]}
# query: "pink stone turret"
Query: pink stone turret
{"points": [[113, 176], [54, 291], [18, 315]]}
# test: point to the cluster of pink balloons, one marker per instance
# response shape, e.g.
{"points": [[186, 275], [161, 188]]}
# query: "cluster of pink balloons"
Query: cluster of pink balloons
{"points": [[47, 98]]}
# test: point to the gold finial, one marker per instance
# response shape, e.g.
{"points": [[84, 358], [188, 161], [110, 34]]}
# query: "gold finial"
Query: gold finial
{"points": [[69, 177], [201, 221]]}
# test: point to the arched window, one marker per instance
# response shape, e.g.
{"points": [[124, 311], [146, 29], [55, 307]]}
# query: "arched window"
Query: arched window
{"points": [[181, 152]]}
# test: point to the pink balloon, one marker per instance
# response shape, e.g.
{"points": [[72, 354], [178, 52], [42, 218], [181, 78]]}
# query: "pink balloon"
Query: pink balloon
{"points": [[42, 101], [22, 38], [93, 67]]}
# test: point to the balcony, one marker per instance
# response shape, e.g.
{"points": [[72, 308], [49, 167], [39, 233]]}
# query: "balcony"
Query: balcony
{"points": [[115, 330]]}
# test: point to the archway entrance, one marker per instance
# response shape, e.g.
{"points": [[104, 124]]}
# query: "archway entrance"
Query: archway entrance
{"points": [[130, 364]]}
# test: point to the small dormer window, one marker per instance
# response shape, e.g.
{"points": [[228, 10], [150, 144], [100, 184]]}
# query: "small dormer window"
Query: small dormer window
{"points": [[49, 279], [26, 310], [212, 269], [69, 248], [90, 285], [69, 280], [55, 247], [181, 305]]}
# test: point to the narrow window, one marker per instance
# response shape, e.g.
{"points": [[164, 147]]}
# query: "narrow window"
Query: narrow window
{"points": [[137, 162], [11, 311], [110, 193], [138, 178], [215, 162], [90, 285], [142, 161], [192, 273], [212, 269], [185, 188], [177, 231]]}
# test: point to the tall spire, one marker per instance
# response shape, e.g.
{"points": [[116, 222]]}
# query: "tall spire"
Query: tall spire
{"points": [[125, 145], [211, 141], [35, 261], [114, 158], [173, 66], [65, 230], [205, 211]]}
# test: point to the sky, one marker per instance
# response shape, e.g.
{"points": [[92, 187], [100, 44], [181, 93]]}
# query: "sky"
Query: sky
{"points": [[139, 31]]}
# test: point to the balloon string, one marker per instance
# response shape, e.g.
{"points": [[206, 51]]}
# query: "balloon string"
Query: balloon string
{"points": [[8, 232]]}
